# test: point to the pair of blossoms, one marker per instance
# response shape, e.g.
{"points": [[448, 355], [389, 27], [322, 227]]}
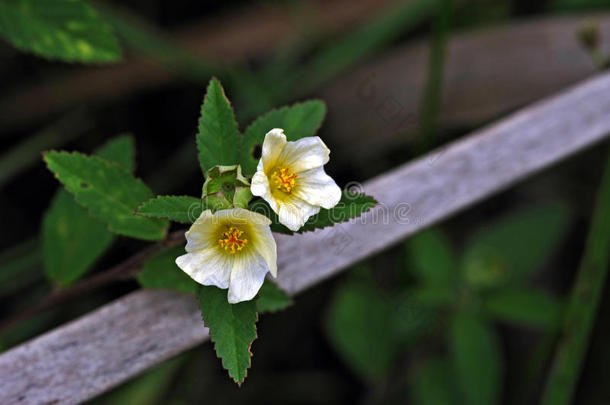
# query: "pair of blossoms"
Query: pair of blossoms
{"points": [[234, 248]]}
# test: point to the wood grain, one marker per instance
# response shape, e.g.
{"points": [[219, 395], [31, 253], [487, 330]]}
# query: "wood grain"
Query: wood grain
{"points": [[103, 349]]}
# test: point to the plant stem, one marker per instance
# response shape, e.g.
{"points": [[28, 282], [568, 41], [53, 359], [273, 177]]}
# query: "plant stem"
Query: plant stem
{"points": [[431, 99], [584, 301], [121, 271]]}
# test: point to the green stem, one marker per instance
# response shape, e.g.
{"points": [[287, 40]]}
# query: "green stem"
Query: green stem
{"points": [[583, 304], [431, 99]]}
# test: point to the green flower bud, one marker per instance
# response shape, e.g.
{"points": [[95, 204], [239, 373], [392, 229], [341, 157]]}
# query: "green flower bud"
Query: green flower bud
{"points": [[225, 188]]}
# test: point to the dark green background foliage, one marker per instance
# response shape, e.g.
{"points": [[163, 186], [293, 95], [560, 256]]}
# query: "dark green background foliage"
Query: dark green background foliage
{"points": [[477, 310]]}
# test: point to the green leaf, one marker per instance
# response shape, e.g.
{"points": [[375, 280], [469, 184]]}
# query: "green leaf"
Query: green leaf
{"points": [[218, 138], [433, 384], [477, 359], [411, 318], [271, 298], [298, 121], [120, 150], [161, 271], [71, 240], [232, 329], [359, 325], [69, 30], [351, 205], [515, 247], [431, 258], [108, 191], [184, 209], [434, 295], [525, 307]]}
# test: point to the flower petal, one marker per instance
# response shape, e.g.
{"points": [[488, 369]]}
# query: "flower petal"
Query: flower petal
{"points": [[274, 143], [260, 187], [241, 216], [265, 246], [199, 236], [207, 267], [294, 212], [318, 188], [304, 154], [247, 277], [260, 184]]}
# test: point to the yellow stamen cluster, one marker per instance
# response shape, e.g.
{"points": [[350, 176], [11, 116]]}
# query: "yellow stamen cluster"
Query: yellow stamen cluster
{"points": [[231, 241], [284, 180]]}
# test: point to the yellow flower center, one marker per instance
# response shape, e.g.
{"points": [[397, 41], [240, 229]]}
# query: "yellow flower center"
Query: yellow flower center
{"points": [[231, 240], [284, 179]]}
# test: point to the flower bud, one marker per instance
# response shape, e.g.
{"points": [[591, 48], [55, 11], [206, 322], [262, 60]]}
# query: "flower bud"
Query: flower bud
{"points": [[225, 188]]}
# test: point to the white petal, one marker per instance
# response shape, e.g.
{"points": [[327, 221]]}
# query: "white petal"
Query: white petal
{"points": [[294, 212], [207, 267], [304, 154], [260, 184], [200, 234], [274, 143], [242, 216], [266, 247], [247, 277], [318, 188]]}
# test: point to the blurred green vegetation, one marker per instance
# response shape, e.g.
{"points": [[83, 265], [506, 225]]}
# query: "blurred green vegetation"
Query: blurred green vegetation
{"points": [[442, 320], [453, 299]]}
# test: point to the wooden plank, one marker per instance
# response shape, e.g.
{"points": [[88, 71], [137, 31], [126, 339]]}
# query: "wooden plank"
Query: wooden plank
{"points": [[382, 97], [103, 349]]}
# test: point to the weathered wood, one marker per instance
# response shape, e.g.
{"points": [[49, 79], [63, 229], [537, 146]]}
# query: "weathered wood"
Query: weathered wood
{"points": [[488, 72], [100, 350]]}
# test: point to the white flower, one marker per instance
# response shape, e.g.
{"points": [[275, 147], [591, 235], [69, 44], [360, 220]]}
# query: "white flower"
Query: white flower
{"points": [[290, 177], [231, 249]]}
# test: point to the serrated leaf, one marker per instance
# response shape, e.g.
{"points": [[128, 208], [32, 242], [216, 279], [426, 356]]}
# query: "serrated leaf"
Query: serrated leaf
{"points": [[525, 307], [513, 248], [121, 150], [71, 239], [161, 271], [433, 384], [69, 30], [184, 209], [271, 298], [431, 258], [108, 191], [351, 205], [232, 329], [358, 326], [477, 359], [298, 121], [218, 138]]}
